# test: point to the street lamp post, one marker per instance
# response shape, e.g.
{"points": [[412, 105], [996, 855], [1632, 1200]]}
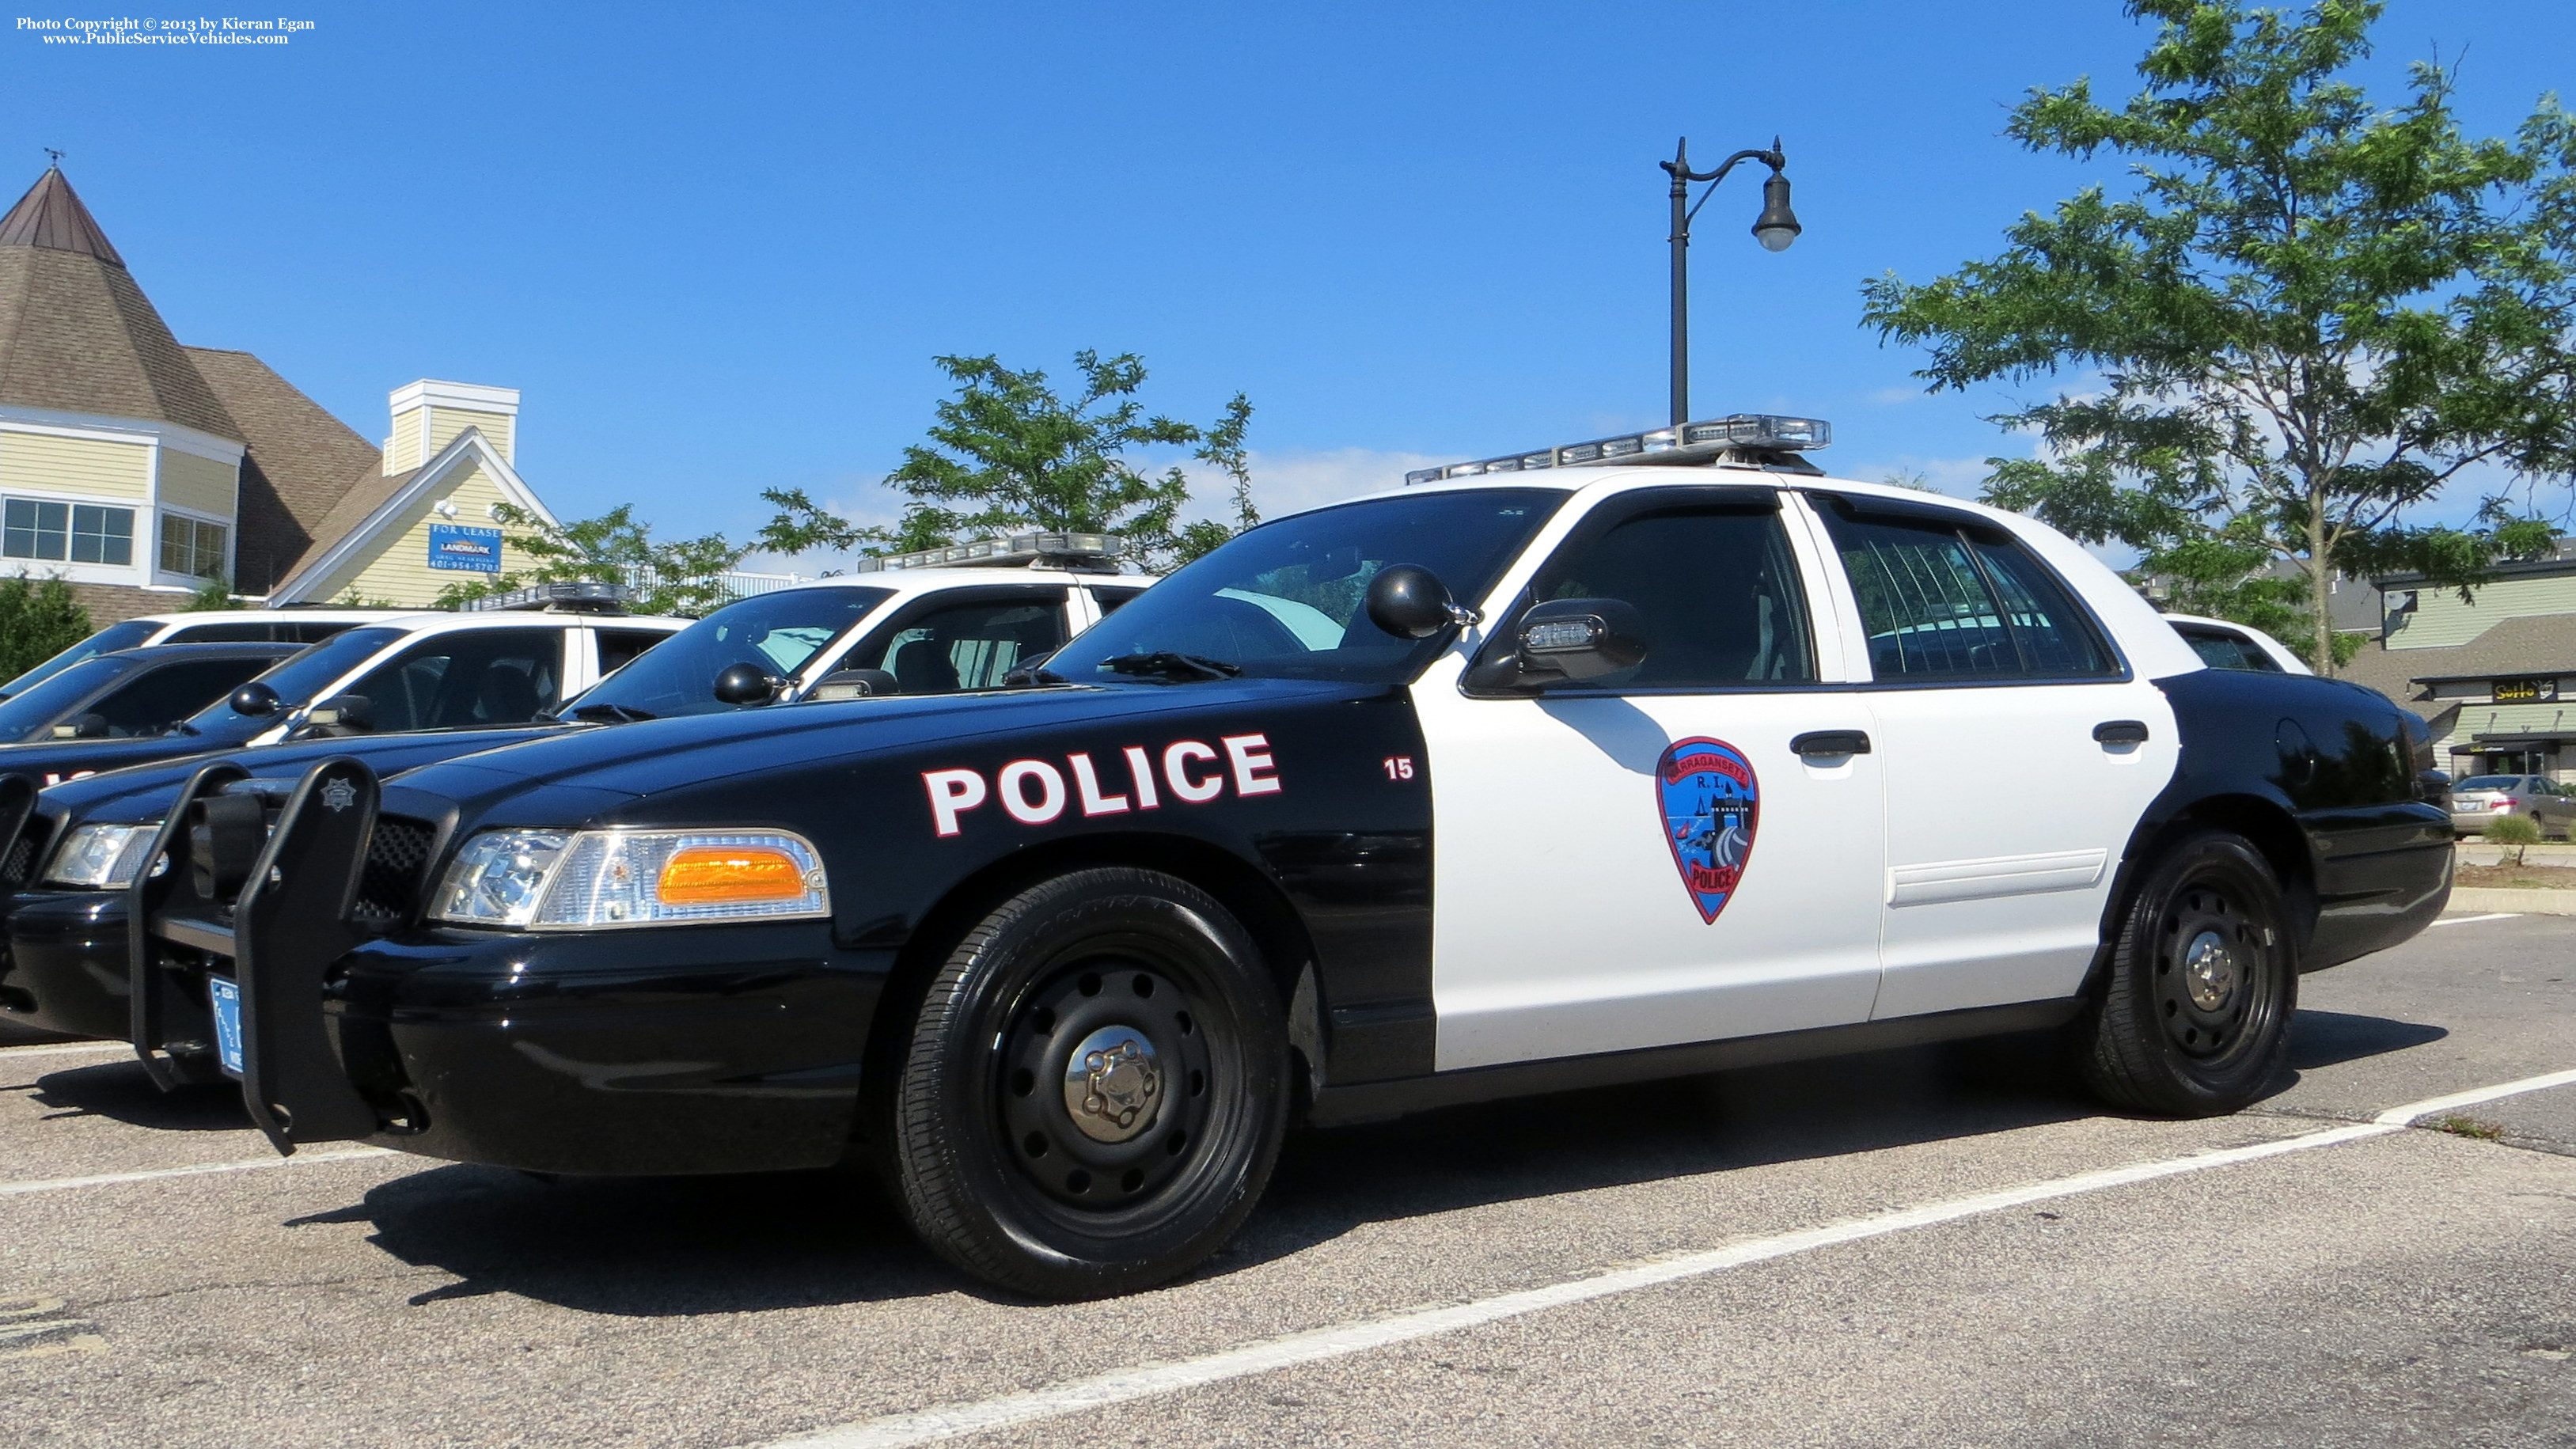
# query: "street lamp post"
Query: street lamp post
{"points": [[1775, 228]]}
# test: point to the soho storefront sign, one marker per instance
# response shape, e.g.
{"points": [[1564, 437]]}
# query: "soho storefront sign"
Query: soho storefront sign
{"points": [[2525, 691]]}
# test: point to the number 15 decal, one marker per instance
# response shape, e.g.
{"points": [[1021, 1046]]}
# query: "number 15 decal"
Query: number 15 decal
{"points": [[1398, 767]]}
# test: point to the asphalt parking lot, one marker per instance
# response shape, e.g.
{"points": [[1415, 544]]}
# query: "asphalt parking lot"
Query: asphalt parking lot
{"points": [[1947, 1246]]}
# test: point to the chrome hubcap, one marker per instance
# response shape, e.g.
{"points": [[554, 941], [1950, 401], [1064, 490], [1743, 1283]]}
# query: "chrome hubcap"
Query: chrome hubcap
{"points": [[1112, 1084], [2209, 971]]}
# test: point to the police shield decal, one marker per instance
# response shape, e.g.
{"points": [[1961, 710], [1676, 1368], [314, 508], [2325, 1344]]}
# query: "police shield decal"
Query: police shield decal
{"points": [[1711, 805]]}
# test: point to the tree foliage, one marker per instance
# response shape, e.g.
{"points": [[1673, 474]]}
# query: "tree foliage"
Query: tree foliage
{"points": [[2305, 317], [669, 576], [212, 594], [1007, 454], [39, 618]]}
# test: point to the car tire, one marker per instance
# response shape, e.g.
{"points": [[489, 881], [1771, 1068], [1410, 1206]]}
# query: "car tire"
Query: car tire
{"points": [[2192, 1019], [1095, 1088]]}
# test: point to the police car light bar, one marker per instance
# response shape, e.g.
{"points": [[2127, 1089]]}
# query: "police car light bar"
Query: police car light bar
{"points": [[578, 594], [1098, 551], [1699, 442]]}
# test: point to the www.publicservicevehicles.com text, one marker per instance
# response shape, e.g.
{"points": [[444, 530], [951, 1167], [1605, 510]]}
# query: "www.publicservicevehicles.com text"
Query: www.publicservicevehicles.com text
{"points": [[155, 30]]}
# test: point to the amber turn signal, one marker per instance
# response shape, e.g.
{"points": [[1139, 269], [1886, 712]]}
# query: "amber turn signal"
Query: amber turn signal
{"points": [[708, 875]]}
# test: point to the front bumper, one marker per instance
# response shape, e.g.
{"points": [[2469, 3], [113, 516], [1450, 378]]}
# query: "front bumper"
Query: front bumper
{"points": [[67, 959], [688, 1049]]}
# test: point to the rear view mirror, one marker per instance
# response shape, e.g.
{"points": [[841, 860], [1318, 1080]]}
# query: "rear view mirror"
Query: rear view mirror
{"points": [[254, 700], [1566, 641], [82, 727], [746, 684], [350, 712], [1409, 602], [854, 684]]}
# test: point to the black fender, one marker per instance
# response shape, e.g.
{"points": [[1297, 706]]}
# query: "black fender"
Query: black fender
{"points": [[2320, 776]]}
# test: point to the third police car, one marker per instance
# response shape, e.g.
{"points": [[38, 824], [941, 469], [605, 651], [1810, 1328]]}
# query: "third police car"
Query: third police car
{"points": [[1569, 767]]}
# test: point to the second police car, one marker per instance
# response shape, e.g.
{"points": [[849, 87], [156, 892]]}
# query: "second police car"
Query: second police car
{"points": [[1539, 775], [934, 622]]}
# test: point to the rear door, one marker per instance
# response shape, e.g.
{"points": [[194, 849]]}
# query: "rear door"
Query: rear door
{"points": [[2019, 753]]}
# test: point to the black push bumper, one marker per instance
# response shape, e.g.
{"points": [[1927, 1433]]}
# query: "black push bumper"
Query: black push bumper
{"points": [[658, 1050]]}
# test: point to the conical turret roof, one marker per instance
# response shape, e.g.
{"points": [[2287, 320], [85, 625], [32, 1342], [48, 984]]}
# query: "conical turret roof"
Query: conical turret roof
{"points": [[76, 334]]}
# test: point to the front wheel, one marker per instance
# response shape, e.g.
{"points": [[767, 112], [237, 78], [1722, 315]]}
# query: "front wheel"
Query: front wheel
{"points": [[1095, 1088], [2194, 1018]]}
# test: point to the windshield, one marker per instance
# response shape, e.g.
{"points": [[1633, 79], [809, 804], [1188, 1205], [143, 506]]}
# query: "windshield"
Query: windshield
{"points": [[107, 640], [299, 677], [2491, 782], [32, 716], [1283, 601], [779, 632]]}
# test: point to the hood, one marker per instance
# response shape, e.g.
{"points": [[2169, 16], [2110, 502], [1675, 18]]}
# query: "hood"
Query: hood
{"points": [[652, 756], [142, 793]]}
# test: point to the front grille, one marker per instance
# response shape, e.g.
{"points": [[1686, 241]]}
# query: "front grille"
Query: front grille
{"points": [[389, 887], [25, 853]]}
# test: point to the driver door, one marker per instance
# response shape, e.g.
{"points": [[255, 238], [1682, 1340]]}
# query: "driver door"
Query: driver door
{"points": [[1648, 860]]}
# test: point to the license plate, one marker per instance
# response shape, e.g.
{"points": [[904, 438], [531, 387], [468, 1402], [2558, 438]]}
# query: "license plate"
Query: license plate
{"points": [[226, 999]]}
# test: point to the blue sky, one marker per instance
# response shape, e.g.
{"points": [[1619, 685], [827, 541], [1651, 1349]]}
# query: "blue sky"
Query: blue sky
{"points": [[717, 246]]}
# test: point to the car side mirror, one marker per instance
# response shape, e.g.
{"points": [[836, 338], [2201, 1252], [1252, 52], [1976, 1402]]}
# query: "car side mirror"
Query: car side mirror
{"points": [[746, 684], [854, 684], [254, 700], [351, 712], [1409, 602], [1567, 641], [82, 727]]}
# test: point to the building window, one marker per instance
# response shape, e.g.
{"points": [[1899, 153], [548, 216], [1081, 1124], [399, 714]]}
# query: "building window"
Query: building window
{"points": [[66, 532], [191, 547]]}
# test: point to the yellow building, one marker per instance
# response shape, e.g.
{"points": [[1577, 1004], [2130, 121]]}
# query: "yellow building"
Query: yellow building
{"points": [[137, 469]]}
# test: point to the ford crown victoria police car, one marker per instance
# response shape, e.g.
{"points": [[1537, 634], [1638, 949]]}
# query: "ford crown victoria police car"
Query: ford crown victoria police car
{"points": [[914, 623], [1508, 783]]}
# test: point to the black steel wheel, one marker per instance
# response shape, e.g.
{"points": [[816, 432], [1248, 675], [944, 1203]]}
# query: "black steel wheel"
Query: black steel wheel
{"points": [[2193, 1018], [1095, 1088]]}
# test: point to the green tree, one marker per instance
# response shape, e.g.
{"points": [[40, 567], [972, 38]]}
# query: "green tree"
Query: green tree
{"points": [[1007, 454], [214, 593], [2304, 318], [39, 618], [670, 576]]}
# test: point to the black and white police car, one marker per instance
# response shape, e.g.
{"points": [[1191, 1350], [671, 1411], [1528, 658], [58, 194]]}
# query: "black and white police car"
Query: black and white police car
{"points": [[1540, 774], [932, 622]]}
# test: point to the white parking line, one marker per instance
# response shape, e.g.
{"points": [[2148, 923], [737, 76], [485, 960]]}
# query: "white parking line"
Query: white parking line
{"points": [[958, 1420], [2473, 920], [87, 1048], [256, 1164]]}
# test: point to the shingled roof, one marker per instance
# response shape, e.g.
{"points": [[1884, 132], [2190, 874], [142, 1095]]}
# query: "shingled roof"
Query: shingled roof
{"points": [[302, 462], [76, 334], [2535, 644]]}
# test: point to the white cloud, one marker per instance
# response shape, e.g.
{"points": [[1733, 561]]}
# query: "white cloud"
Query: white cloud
{"points": [[1958, 477]]}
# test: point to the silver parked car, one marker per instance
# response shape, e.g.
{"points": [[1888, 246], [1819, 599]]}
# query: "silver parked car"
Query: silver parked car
{"points": [[2482, 798]]}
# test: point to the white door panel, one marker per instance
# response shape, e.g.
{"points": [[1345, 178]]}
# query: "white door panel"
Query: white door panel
{"points": [[2004, 819], [1563, 924]]}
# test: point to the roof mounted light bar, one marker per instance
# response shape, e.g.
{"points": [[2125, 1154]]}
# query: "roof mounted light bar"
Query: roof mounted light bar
{"points": [[1096, 552], [582, 594], [1743, 438]]}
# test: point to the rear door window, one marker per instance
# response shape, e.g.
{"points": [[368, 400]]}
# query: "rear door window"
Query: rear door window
{"points": [[1951, 602], [618, 647]]}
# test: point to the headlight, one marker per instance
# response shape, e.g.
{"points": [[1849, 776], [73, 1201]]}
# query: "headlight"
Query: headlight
{"points": [[101, 857], [560, 880]]}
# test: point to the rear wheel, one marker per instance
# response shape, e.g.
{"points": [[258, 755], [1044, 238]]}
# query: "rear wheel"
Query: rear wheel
{"points": [[1095, 1088], [2194, 1018]]}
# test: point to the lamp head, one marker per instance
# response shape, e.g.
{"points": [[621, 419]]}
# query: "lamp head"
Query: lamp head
{"points": [[1777, 226]]}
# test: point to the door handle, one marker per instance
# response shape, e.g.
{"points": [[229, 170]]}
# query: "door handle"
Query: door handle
{"points": [[2121, 732], [1830, 742]]}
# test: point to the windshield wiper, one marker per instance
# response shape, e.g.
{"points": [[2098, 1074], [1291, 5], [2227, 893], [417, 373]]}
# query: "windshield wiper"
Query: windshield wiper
{"points": [[1175, 667], [612, 713]]}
